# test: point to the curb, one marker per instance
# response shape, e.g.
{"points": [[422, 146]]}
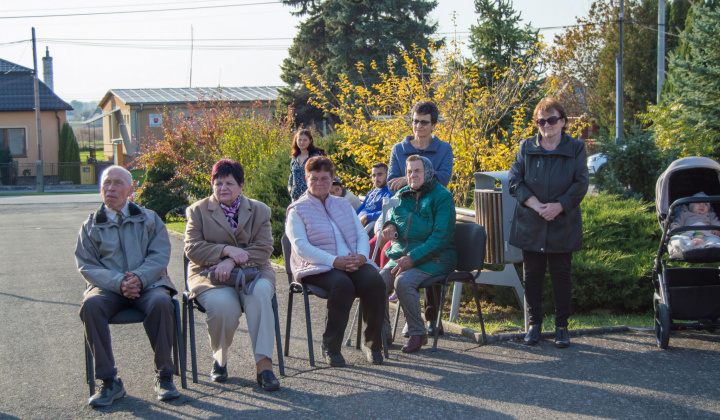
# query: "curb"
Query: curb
{"points": [[492, 338]]}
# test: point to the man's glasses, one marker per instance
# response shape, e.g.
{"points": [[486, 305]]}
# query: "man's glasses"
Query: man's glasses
{"points": [[550, 121], [424, 123]]}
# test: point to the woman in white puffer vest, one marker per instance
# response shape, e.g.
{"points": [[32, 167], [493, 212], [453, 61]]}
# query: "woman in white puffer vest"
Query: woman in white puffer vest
{"points": [[330, 249]]}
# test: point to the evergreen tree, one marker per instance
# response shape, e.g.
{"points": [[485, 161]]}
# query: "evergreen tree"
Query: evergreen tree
{"points": [[68, 153], [639, 58], [339, 34], [695, 74], [497, 38]]}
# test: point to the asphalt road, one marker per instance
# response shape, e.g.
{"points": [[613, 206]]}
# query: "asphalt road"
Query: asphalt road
{"points": [[42, 374]]}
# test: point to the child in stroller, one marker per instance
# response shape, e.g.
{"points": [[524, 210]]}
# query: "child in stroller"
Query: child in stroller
{"points": [[696, 214]]}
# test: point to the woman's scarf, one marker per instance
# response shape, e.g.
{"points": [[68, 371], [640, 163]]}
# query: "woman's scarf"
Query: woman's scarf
{"points": [[427, 181], [230, 212]]}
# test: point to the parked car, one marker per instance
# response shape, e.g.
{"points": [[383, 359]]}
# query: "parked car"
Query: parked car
{"points": [[596, 163]]}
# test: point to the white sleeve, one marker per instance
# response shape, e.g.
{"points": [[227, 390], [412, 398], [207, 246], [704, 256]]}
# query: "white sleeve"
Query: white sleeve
{"points": [[363, 241], [297, 233]]}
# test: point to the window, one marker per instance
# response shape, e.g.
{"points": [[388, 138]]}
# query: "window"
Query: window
{"points": [[15, 140]]}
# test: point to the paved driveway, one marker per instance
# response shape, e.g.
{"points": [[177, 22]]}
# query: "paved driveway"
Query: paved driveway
{"points": [[42, 364]]}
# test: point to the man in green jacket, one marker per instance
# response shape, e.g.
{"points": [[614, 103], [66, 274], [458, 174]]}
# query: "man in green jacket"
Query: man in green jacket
{"points": [[422, 229]]}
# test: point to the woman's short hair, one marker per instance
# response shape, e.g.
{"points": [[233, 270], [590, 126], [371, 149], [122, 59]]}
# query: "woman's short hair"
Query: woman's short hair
{"points": [[225, 167], [319, 164], [311, 147], [548, 105], [426, 107]]}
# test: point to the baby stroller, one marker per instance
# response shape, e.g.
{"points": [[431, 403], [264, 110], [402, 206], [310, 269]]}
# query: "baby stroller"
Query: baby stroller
{"points": [[684, 294]]}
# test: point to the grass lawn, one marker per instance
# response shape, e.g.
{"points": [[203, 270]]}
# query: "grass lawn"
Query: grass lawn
{"points": [[99, 155], [503, 320]]}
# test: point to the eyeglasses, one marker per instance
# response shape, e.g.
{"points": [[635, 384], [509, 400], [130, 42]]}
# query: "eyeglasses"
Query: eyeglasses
{"points": [[550, 121], [424, 123]]}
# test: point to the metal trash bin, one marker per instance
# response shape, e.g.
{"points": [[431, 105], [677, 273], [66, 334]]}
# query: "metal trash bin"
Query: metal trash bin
{"points": [[494, 209]]}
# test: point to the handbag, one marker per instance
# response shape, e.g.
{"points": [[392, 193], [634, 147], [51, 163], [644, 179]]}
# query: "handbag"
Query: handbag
{"points": [[242, 275]]}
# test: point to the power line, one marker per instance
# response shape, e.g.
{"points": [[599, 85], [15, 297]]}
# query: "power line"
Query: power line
{"points": [[140, 11]]}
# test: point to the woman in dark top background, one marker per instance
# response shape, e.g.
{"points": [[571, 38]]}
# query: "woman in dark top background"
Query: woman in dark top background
{"points": [[303, 148]]}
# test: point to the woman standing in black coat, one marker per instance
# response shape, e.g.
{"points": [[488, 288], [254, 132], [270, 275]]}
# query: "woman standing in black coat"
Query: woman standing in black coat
{"points": [[549, 179]]}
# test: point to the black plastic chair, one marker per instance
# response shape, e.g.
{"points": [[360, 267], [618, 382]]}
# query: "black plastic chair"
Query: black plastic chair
{"points": [[189, 305], [470, 245], [133, 316], [307, 290]]}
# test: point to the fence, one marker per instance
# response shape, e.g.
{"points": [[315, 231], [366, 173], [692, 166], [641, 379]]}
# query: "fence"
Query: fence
{"points": [[25, 174]]}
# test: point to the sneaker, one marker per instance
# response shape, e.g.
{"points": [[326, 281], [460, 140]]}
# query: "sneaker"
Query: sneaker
{"points": [[374, 357], [165, 389], [393, 298], [218, 373], [111, 389], [333, 359]]}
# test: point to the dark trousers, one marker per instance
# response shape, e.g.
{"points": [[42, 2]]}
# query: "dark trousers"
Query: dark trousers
{"points": [[343, 288], [535, 265], [99, 306]]}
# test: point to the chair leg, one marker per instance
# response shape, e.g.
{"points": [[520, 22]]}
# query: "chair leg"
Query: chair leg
{"points": [[348, 341], [185, 329], [278, 336], [479, 309], [287, 323], [180, 346], [358, 315], [384, 341], [397, 318], [89, 368], [438, 323], [311, 351], [193, 354]]}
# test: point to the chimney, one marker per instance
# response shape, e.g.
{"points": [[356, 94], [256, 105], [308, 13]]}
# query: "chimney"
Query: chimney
{"points": [[48, 69]]}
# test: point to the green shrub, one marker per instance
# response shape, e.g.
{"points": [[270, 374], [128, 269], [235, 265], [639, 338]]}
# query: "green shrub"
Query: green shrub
{"points": [[268, 184], [614, 268], [6, 167], [632, 170], [162, 193]]}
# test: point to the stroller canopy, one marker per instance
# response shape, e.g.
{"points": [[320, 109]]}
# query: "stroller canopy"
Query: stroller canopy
{"points": [[684, 178]]}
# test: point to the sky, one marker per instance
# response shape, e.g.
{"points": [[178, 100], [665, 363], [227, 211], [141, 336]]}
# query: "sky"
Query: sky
{"points": [[108, 45]]}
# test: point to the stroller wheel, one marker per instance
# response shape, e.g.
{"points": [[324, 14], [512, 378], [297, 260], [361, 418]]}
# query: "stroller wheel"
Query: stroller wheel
{"points": [[662, 325]]}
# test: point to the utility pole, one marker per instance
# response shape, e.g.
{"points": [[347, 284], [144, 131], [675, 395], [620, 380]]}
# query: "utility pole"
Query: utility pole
{"points": [[661, 49], [619, 81], [39, 163]]}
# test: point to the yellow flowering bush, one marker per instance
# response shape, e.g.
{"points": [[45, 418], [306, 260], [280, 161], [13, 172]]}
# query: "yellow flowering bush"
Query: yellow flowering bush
{"points": [[472, 104]]}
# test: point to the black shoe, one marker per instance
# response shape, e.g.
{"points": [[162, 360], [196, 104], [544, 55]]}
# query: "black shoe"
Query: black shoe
{"points": [[333, 359], [267, 380], [165, 388], [562, 338], [374, 357], [533, 336], [111, 389], [431, 329], [218, 373], [406, 332]]}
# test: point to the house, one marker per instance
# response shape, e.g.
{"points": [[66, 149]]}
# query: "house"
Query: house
{"points": [[131, 116], [17, 116]]}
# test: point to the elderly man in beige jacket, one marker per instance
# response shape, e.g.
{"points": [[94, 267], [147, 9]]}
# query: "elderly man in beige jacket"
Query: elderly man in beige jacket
{"points": [[122, 252]]}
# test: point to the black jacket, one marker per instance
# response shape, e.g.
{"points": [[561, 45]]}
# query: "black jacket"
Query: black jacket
{"points": [[557, 177]]}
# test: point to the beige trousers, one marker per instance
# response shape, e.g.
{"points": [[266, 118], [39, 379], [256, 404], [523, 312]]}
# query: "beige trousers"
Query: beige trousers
{"points": [[223, 317]]}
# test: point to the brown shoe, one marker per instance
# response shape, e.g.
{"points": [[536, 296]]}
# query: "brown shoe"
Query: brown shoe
{"points": [[415, 343]]}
